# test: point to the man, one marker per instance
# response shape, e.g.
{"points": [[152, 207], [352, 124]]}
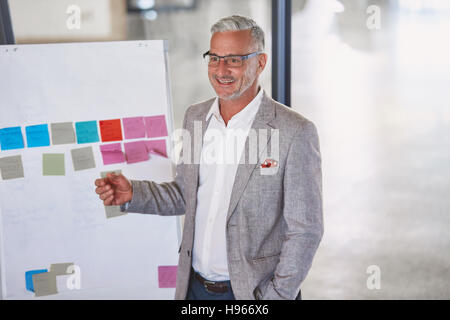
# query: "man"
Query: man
{"points": [[251, 227]]}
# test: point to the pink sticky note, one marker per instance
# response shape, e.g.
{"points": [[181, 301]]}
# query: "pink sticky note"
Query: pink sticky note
{"points": [[112, 153], [157, 147], [134, 127], [167, 276], [136, 152], [156, 126]]}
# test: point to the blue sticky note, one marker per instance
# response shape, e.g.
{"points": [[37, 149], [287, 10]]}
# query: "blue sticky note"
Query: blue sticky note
{"points": [[11, 138], [29, 278], [37, 136], [87, 131]]}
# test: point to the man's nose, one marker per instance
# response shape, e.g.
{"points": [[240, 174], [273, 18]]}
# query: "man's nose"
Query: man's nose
{"points": [[222, 68]]}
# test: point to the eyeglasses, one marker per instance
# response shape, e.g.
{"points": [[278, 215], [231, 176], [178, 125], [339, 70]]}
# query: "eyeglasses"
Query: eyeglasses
{"points": [[213, 60]]}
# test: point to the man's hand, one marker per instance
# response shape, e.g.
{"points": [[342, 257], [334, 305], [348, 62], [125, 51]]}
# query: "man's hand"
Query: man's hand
{"points": [[114, 190]]}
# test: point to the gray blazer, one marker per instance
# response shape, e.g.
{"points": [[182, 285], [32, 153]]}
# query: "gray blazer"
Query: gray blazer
{"points": [[274, 221]]}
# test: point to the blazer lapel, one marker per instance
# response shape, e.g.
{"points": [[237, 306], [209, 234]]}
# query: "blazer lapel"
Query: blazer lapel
{"points": [[265, 114], [197, 129]]}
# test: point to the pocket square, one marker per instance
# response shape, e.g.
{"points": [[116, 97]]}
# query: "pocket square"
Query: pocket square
{"points": [[269, 163]]}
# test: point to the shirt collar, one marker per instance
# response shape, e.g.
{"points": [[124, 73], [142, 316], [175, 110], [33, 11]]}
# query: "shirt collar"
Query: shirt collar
{"points": [[247, 114]]}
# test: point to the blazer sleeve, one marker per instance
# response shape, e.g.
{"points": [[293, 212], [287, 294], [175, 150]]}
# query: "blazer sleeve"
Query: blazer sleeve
{"points": [[302, 214], [167, 198]]}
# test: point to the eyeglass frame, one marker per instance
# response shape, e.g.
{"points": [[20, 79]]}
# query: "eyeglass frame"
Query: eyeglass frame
{"points": [[243, 57]]}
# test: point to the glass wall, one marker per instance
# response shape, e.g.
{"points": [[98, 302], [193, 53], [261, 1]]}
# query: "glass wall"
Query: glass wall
{"points": [[374, 77], [184, 23]]}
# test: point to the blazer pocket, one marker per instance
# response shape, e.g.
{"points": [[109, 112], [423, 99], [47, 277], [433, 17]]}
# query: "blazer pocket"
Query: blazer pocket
{"points": [[262, 259], [270, 171]]}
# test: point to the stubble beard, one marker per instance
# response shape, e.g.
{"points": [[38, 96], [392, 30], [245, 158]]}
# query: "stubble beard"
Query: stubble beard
{"points": [[249, 78]]}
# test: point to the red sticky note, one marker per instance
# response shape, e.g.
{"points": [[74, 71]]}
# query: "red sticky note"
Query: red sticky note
{"points": [[155, 126], [112, 153], [136, 152], [167, 276], [157, 147], [111, 130], [134, 128]]}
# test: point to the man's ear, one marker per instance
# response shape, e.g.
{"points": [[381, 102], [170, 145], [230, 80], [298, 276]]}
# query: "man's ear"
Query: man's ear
{"points": [[262, 61]]}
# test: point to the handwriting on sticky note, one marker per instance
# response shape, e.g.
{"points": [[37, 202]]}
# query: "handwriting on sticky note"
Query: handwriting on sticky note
{"points": [[11, 167], [37, 136], [62, 133], [136, 152], [111, 130], [11, 138], [112, 153], [157, 147], [87, 131], [134, 128], [155, 126], [167, 276], [83, 158]]}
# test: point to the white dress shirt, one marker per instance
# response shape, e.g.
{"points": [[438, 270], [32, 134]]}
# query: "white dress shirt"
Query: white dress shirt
{"points": [[221, 153]]}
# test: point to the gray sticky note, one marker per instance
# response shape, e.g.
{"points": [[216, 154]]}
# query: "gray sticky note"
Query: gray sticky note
{"points": [[103, 174], [60, 269], [83, 158], [62, 133], [53, 164], [11, 167], [44, 284], [112, 211]]}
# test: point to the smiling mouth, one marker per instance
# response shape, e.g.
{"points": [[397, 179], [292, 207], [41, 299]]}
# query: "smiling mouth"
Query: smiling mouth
{"points": [[225, 81]]}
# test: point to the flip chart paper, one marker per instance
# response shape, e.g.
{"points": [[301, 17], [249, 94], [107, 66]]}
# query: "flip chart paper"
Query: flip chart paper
{"points": [[155, 126], [87, 131], [111, 130], [83, 158], [37, 136], [29, 278], [11, 167], [136, 152], [44, 284], [11, 138], [62, 133], [112, 153], [134, 128], [53, 164], [167, 276], [157, 147]]}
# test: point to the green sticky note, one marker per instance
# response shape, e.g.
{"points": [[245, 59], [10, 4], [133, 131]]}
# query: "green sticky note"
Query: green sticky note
{"points": [[53, 164]]}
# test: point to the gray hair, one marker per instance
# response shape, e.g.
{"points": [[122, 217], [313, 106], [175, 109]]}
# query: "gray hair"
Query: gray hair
{"points": [[236, 23]]}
